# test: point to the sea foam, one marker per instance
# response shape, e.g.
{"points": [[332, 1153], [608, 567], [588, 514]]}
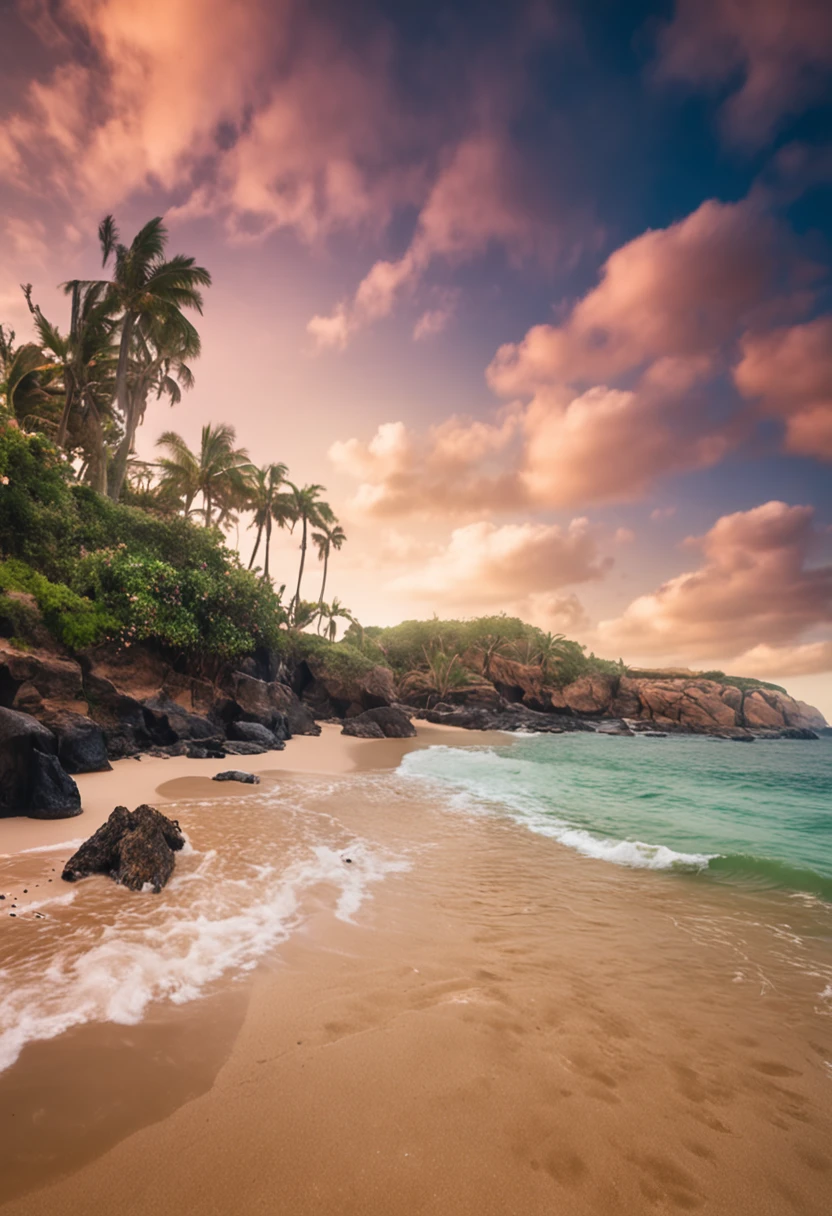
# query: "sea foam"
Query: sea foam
{"points": [[170, 947]]}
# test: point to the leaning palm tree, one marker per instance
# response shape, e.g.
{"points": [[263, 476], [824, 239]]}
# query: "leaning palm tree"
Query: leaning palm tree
{"points": [[263, 498], [28, 382], [304, 506], [331, 536], [215, 473], [146, 287]]}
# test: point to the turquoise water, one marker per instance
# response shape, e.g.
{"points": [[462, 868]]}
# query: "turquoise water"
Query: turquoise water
{"points": [[757, 814]]}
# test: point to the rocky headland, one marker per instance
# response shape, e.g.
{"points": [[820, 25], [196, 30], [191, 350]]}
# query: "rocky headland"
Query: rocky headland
{"points": [[63, 714]]}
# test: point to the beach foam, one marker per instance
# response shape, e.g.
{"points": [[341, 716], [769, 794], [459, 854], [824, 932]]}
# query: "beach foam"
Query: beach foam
{"points": [[213, 919]]}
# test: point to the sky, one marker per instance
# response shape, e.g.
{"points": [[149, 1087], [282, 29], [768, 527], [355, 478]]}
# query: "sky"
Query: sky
{"points": [[539, 291]]}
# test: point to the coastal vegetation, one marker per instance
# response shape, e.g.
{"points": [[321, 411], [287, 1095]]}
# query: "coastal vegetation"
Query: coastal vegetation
{"points": [[97, 544]]}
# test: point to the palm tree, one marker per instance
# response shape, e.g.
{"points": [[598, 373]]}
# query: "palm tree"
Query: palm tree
{"points": [[551, 646], [263, 497], [216, 473], [443, 673], [331, 536], [150, 291], [333, 612], [28, 381], [86, 361], [305, 506]]}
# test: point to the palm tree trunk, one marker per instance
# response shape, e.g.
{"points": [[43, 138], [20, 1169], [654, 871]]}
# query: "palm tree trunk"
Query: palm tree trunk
{"points": [[323, 589], [208, 508], [125, 407], [268, 546], [69, 375], [256, 546], [296, 600]]}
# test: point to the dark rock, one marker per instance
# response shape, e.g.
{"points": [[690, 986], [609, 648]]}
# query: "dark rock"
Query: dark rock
{"points": [[21, 737], [82, 747], [252, 732], [741, 738], [653, 734], [53, 793], [168, 722], [274, 705], [332, 693], [510, 718], [196, 752], [363, 728], [797, 732], [236, 774], [134, 847], [235, 748], [386, 722], [32, 781]]}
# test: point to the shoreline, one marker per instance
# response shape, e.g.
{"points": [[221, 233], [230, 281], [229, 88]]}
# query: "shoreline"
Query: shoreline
{"points": [[154, 780]]}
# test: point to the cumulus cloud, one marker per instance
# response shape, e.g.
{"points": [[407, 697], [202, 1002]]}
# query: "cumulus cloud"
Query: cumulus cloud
{"points": [[775, 57], [487, 565], [667, 301], [789, 370], [461, 465], [617, 393], [773, 662], [756, 594]]}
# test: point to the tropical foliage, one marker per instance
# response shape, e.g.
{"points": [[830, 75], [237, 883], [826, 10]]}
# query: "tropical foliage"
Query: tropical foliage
{"points": [[80, 396]]}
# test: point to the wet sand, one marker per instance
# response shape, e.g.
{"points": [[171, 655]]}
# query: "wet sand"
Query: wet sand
{"points": [[159, 781], [505, 1028]]}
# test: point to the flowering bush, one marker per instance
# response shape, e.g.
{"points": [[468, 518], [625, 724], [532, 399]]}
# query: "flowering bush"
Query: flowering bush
{"points": [[225, 612]]}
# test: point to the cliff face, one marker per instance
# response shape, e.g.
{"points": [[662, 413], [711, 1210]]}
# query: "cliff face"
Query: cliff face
{"points": [[674, 703]]}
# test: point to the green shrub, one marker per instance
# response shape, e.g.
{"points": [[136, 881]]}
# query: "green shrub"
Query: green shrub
{"points": [[226, 612], [341, 658], [73, 619]]}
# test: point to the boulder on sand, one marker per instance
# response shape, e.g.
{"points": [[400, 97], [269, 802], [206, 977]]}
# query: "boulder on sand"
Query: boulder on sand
{"points": [[386, 722], [254, 732], [237, 774], [32, 781], [136, 848], [82, 747]]}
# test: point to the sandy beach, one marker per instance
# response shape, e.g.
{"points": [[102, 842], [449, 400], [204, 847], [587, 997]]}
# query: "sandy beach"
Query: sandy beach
{"points": [[460, 1019]]}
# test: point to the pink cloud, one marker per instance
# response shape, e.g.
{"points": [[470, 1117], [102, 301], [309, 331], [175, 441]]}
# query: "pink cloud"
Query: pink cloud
{"points": [[774, 56], [667, 301], [757, 593], [461, 466], [476, 201], [486, 565], [615, 395], [254, 111], [789, 371]]}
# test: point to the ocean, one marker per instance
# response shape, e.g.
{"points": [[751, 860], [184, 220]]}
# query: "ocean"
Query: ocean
{"points": [[757, 816]]}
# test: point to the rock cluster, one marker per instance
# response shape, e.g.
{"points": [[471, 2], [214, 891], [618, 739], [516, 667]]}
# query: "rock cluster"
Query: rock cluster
{"points": [[135, 848], [385, 722], [673, 703], [62, 716]]}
